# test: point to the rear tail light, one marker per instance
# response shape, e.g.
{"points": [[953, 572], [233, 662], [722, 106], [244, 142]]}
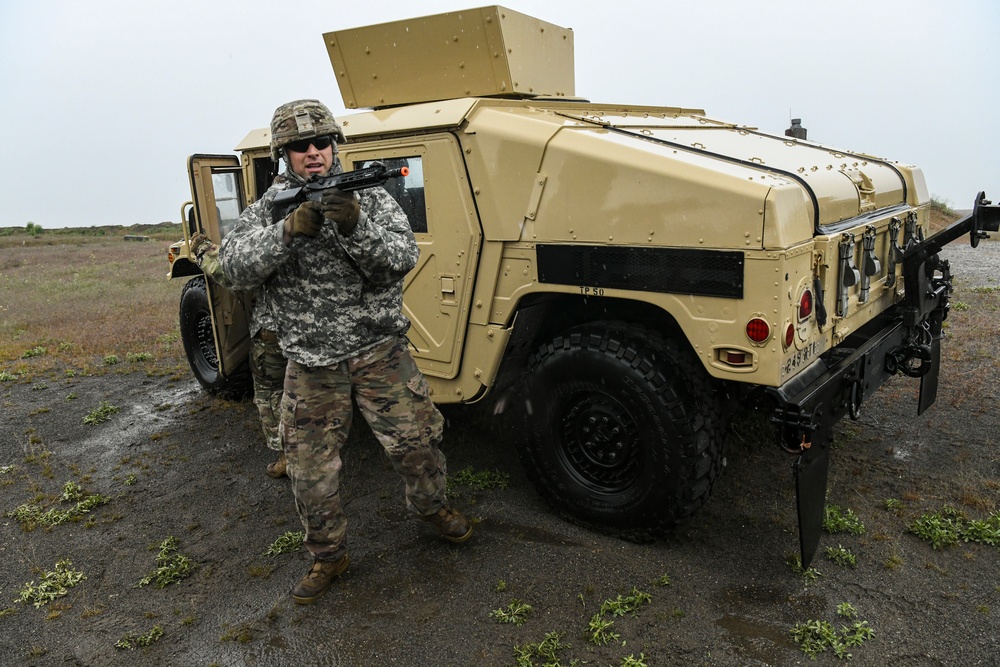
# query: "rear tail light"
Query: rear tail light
{"points": [[789, 335], [758, 330], [805, 305]]}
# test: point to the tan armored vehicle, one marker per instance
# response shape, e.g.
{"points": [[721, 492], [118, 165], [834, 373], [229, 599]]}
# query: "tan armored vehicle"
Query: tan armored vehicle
{"points": [[621, 279]]}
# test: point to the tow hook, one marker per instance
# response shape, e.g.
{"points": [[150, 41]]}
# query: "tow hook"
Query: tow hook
{"points": [[914, 361]]}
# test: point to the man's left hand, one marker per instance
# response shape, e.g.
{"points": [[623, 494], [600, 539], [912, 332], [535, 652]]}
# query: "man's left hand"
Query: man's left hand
{"points": [[342, 208]]}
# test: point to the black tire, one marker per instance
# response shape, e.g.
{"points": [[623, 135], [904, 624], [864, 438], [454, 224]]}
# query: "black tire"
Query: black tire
{"points": [[199, 345], [619, 429]]}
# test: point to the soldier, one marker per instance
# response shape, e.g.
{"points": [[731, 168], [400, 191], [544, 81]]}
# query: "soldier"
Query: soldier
{"points": [[267, 364], [332, 275]]}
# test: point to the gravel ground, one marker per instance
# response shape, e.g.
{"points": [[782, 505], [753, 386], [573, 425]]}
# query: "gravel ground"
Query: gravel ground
{"points": [[178, 463]]}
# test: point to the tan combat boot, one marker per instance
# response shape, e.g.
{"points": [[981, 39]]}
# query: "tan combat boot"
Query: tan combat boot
{"points": [[451, 523], [318, 579], [279, 468]]}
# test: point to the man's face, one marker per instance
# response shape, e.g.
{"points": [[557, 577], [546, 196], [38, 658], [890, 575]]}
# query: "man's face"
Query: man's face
{"points": [[307, 160]]}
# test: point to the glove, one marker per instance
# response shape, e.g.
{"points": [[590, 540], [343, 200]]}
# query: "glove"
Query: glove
{"points": [[199, 245], [342, 208], [306, 220]]}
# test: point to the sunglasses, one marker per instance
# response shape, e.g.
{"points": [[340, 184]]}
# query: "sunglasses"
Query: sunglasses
{"points": [[302, 145]]}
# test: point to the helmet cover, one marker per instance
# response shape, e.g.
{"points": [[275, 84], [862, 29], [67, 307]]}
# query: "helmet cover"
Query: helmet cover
{"points": [[302, 119]]}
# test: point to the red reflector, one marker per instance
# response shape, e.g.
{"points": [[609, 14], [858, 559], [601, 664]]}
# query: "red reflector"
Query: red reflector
{"points": [[758, 330], [789, 336], [736, 358], [806, 305]]}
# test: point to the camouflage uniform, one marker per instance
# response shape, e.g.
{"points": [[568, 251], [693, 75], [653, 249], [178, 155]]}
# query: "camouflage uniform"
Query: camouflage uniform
{"points": [[267, 364], [338, 304]]}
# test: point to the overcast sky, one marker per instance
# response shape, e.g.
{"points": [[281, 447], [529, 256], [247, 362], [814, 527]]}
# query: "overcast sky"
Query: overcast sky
{"points": [[103, 100]]}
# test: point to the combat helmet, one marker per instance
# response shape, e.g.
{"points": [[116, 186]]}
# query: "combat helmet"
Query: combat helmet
{"points": [[302, 119]]}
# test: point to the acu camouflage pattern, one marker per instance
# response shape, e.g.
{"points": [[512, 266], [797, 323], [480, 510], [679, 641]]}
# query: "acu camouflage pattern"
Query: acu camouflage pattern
{"points": [[394, 398], [206, 256], [267, 364], [302, 119], [331, 296]]}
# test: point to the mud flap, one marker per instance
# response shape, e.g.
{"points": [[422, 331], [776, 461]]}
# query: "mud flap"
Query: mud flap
{"points": [[929, 381], [811, 470]]}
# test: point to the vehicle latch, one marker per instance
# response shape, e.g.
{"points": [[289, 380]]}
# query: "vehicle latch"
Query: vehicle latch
{"points": [[870, 264], [849, 274], [894, 253]]}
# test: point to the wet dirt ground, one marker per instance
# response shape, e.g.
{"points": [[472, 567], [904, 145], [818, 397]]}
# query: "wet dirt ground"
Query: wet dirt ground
{"points": [[178, 463]]}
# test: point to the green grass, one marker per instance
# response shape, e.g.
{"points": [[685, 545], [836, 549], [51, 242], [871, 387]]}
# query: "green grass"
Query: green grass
{"points": [[84, 298]]}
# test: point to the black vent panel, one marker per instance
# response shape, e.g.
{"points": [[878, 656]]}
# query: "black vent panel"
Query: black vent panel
{"points": [[669, 270]]}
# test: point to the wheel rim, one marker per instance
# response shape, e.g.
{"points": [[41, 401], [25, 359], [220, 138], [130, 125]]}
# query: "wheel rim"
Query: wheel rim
{"points": [[206, 341], [600, 441]]}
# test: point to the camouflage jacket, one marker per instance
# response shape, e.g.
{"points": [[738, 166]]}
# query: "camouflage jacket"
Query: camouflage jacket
{"points": [[331, 296], [207, 258]]}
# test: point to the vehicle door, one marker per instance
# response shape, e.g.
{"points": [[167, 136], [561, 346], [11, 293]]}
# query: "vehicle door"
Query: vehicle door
{"points": [[438, 201], [218, 194]]}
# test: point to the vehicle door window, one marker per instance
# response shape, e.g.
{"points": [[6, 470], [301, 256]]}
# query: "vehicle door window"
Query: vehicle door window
{"points": [[227, 200], [407, 191]]}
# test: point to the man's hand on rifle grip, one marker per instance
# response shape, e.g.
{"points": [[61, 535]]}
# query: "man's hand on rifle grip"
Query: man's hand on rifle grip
{"points": [[342, 208], [306, 220]]}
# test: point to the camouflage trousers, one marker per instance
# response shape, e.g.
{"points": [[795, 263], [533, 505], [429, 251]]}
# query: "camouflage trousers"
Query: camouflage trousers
{"points": [[393, 397], [267, 365]]}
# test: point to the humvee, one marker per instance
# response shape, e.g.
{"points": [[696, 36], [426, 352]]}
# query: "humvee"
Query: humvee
{"points": [[620, 279]]}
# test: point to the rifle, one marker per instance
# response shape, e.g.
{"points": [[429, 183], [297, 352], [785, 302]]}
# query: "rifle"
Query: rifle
{"points": [[348, 181]]}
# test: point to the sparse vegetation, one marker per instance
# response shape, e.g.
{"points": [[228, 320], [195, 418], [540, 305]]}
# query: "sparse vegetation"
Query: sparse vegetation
{"points": [[40, 484], [242, 633], [942, 206], [31, 515], [893, 505], [950, 526], [599, 631], [794, 562], [101, 413], [290, 542], [52, 586], [45, 279], [546, 652], [467, 478], [171, 567], [837, 520], [626, 604], [816, 636], [132, 641], [517, 612], [841, 556]]}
